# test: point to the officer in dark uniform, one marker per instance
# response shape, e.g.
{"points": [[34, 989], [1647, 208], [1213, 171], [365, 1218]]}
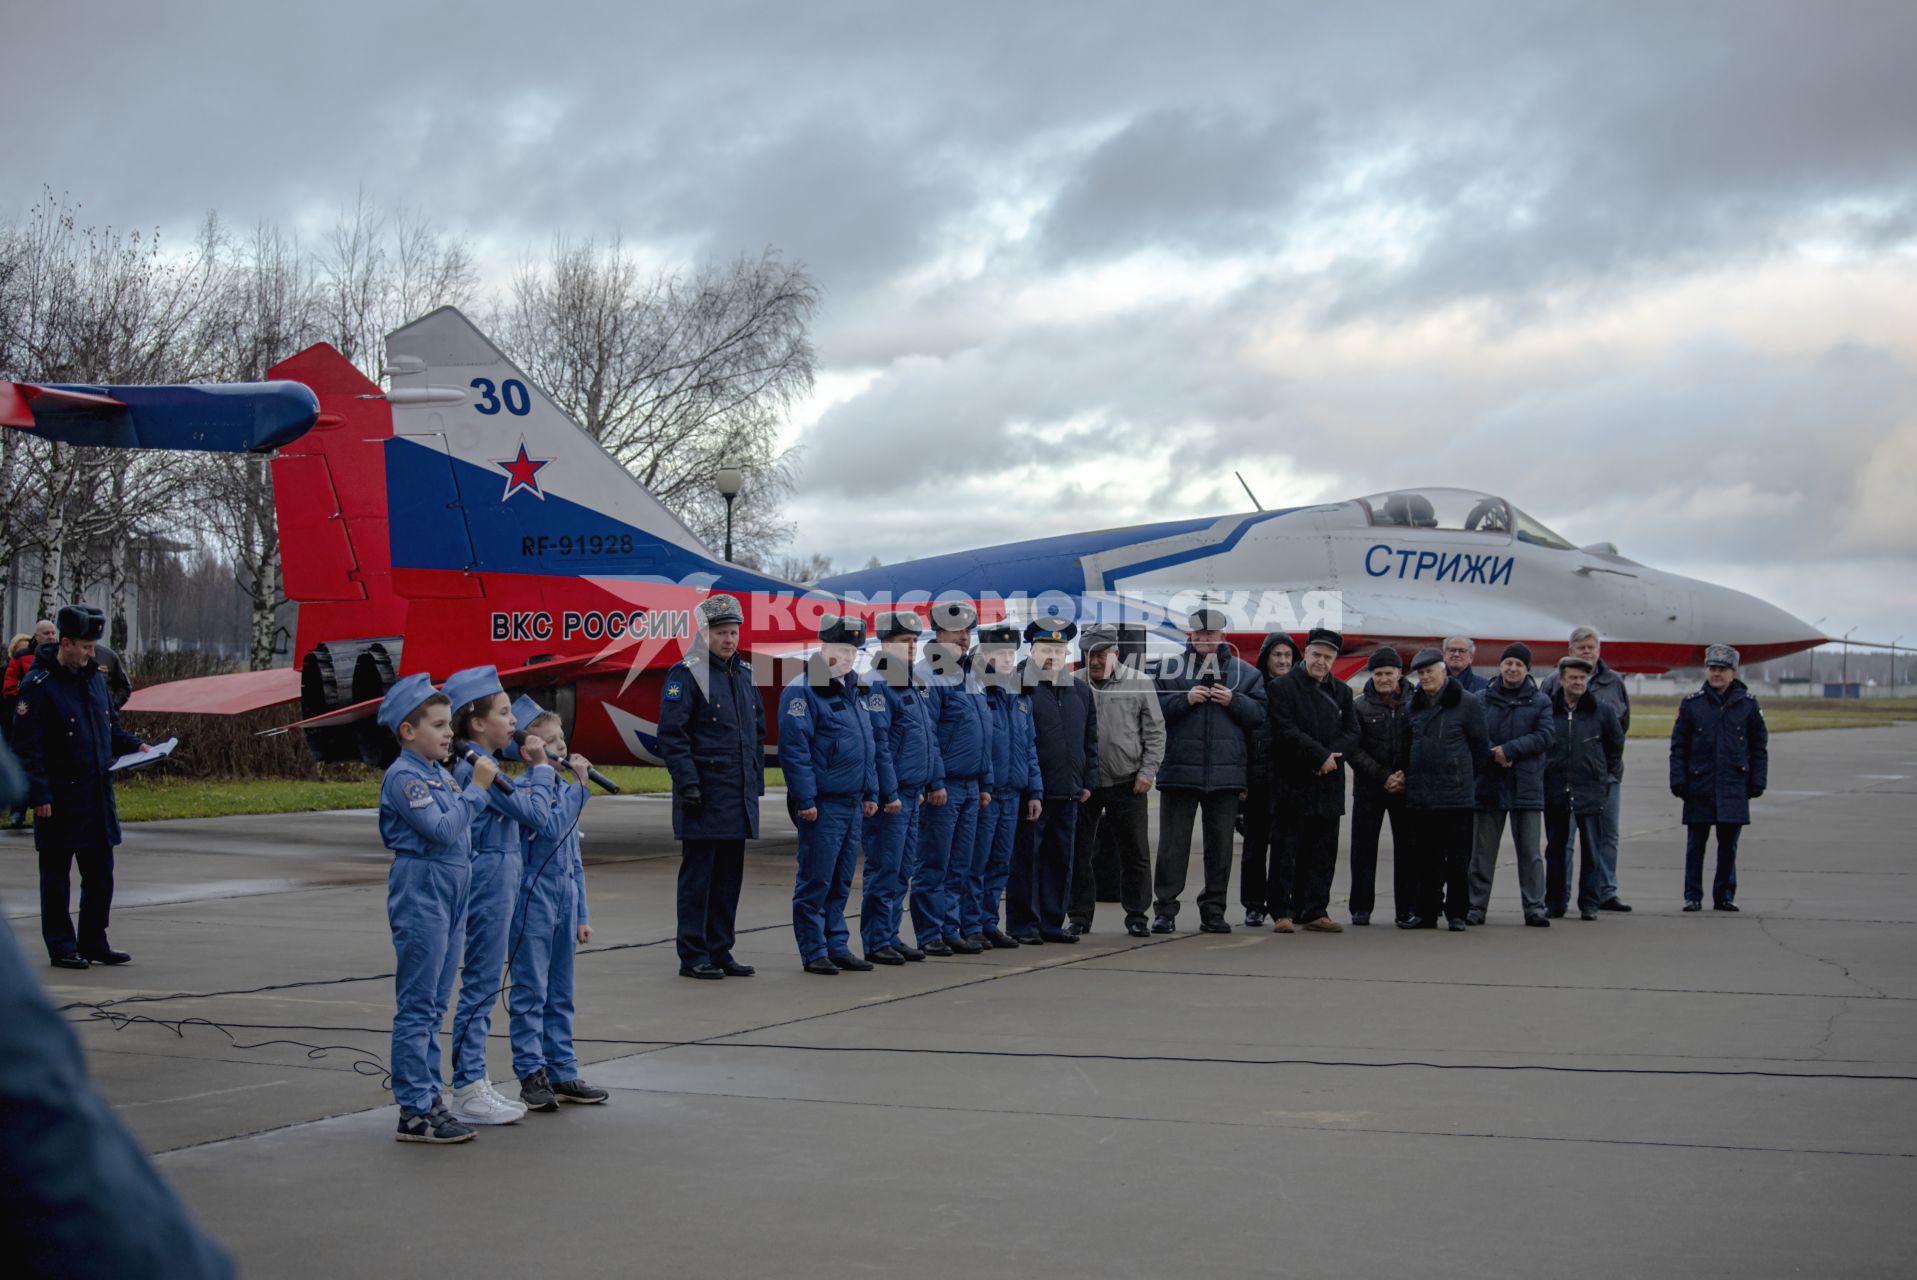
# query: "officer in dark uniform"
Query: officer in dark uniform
{"points": [[711, 736], [68, 734], [1065, 723]]}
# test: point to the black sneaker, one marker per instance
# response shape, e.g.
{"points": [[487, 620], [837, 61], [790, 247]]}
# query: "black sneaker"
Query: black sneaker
{"points": [[1587, 913], [1163, 924], [537, 1093], [1361, 918], [436, 1125], [1254, 918], [579, 1091], [1078, 928], [1457, 924]]}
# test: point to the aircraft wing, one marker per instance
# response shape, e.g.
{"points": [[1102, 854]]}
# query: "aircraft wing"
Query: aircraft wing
{"points": [[528, 677], [227, 695], [246, 417]]}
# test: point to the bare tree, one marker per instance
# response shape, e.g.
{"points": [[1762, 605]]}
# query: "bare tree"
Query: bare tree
{"points": [[806, 569], [677, 375]]}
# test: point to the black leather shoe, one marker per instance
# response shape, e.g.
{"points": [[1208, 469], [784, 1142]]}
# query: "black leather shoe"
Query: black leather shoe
{"points": [[107, 955], [823, 967], [979, 940], [1586, 914], [1057, 935], [1724, 906], [1474, 917], [852, 962], [1361, 918], [1411, 922], [1537, 922], [71, 960], [1612, 904], [885, 955], [1457, 925], [1001, 939], [1028, 940], [1078, 928], [1137, 929], [1254, 918], [733, 969], [1215, 925], [1693, 906], [935, 948], [964, 947], [1554, 913], [1163, 924], [911, 955], [701, 970]]}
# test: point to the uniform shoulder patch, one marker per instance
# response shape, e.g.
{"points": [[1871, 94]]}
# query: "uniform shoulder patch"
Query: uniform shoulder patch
{"points": [[418, 794], [875, 702], [675, 690], [20, 708], [796, 708]]}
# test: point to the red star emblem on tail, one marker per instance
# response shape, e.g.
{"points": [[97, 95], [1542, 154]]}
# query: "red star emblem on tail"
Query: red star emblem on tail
{"points": [[522, 472]]}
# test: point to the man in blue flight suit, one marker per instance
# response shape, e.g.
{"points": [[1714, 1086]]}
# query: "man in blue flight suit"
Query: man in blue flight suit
{"points": [[1015, 766], [830, 756], [1720, 762], [67, 735], [1065, 727], [948, 829], [711, 737], [901, 711]]}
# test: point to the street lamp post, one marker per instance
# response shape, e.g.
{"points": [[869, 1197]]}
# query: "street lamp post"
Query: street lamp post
{"points": [[729, 481]]}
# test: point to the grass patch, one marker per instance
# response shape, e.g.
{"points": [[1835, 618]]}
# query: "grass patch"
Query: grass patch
{"points": [[1652, 717], [153, 796]]}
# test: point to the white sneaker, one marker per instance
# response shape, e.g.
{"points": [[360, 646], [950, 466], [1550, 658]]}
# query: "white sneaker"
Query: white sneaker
{"points": [[500, 1098], [474, 1104]]}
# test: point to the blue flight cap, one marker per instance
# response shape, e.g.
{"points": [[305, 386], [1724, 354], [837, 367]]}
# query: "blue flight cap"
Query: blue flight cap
{"points": [[404, 698], [525, 711], [470, 685], [1050, 629]]}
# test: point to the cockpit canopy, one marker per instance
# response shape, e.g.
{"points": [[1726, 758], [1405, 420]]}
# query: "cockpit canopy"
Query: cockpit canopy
{"points": [[1463, 510]]}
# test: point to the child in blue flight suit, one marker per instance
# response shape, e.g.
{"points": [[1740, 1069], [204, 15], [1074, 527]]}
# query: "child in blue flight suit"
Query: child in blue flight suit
{"points": [[902, 718], [549, 920], [483, 721], [1015, 766], [427, 822], [830, 756]]}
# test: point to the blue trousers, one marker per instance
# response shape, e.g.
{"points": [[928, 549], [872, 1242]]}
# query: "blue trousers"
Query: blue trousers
{"points": [[545, 922], [828, 855], [1608, 833], [489, 918], [426, 907], [1039, 891], [943, 829], [997, 833], [891, 848], [1697, 837], [710, 875]]}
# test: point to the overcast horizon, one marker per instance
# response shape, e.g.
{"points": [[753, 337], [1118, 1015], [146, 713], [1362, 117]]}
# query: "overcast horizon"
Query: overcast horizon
{"points": [[1647, 271]]}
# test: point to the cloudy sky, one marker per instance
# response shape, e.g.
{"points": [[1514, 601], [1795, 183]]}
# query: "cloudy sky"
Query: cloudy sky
{"points": [[1648, 269]]}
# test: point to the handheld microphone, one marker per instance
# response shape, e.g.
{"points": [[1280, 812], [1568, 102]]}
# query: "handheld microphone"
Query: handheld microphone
{"points": [[473, 755], [597, 778]]}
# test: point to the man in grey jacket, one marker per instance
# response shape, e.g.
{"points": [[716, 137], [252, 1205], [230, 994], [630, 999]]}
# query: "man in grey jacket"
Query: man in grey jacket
{"points": [[1131, 746], [1607, 686]]}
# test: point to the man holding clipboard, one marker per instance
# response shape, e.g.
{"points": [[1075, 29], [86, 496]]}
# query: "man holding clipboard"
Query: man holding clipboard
{"points": [[67, 735]]}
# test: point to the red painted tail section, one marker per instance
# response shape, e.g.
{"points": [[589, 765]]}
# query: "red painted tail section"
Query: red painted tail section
{"points": [[329, 492]]}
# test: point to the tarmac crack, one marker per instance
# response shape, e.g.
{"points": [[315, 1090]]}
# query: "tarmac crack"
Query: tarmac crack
{"points": [[1763, 925]]}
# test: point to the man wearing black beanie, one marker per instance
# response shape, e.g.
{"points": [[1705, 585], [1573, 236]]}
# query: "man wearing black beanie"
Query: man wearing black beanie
{"points": [[1511, 785], [1378, 762]]}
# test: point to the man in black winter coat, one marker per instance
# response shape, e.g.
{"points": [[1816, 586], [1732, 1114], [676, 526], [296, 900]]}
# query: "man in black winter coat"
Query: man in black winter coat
{"points": [[1265, 863], [1212, 699], [1511, 786], [1587, 748], [1313, 726], [1448, 748], [1065, 724], [1720, 762], [1378, 761]]}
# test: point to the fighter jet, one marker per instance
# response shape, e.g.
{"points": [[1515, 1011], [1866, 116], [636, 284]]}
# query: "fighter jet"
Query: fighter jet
{"points": [[459, 516]]}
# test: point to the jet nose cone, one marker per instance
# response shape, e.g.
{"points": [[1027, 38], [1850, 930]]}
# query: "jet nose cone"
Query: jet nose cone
{"points": [[1757, 629]]}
